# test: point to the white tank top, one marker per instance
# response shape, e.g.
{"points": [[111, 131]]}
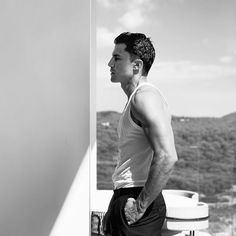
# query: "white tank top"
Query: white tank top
{"points": [[135, 152]]}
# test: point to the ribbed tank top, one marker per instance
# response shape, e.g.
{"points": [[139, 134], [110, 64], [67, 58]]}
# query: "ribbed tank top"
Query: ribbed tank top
{"points": [[135, 152]]}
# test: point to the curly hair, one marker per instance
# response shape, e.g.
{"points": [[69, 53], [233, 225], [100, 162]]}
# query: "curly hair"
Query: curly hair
{"points": [[139, 46]]}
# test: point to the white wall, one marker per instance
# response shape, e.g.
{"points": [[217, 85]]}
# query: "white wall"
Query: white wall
{"points": [[44, 110]]}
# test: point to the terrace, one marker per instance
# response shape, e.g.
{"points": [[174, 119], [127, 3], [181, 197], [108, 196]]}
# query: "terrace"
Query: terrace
{"points": [[186, 215]]}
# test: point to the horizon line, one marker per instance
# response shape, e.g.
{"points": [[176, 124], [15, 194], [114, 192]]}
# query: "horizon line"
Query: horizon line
{"points": [[173, 115]]}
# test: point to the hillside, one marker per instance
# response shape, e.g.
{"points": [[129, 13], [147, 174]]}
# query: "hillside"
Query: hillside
{"points": [[206, 149], [230, 118]]}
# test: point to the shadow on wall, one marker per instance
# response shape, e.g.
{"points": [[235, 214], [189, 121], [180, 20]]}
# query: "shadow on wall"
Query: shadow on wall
{"points": [[44, 89]]}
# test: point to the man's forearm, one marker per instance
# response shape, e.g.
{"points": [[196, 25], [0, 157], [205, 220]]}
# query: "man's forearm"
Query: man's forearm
{"points": [[158, 176]]}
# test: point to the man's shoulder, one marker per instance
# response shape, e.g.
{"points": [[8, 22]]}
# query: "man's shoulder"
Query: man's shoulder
{"points": [[147, 95]]}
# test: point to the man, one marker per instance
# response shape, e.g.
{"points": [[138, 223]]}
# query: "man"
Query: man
{"points": [[146, 143]]}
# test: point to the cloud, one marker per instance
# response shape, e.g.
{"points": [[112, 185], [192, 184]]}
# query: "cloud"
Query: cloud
{"points": [[106, 3], [205, 41], [105, 37], [226, 59], [132, 19], [141, 4], [123, 3], [187, 70], [230, 45], [133, 13], [136, 13], [178, 1]]}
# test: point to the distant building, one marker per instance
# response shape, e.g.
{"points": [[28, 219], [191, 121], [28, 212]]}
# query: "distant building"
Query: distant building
{"points": [[183, 119], [105, 124]]}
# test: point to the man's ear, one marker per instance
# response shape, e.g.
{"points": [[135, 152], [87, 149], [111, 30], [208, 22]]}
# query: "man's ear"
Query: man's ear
{"points": [[138, 65]]}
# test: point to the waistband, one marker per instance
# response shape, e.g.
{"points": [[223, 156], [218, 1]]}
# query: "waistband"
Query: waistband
{"points": [[134, 192], [127, 191]]}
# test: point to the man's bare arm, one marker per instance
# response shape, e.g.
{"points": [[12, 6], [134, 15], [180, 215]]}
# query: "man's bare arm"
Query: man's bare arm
{"points": [[148, 108]]}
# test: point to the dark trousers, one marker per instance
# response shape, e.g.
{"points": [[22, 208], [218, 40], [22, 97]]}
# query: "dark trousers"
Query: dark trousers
{"points": [[150, 224]]}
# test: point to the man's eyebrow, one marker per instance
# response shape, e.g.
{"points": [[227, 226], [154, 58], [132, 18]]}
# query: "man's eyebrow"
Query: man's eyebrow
{"points": [[116, 55]]}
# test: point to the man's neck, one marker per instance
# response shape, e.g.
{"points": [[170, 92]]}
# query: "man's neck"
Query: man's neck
{"points": [[130, 86]]}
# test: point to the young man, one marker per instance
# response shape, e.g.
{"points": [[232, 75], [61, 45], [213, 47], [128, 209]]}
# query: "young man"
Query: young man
{"points": [[146, 143]]}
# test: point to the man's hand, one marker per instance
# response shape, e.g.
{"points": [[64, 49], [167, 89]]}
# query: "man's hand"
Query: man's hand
{"points": [[132, 212]]}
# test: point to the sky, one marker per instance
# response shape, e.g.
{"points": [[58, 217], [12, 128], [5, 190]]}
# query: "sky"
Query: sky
{"points": [[195, 42]]}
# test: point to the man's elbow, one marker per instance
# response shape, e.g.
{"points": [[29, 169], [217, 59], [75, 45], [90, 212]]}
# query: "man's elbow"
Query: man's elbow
{"points": [[167, 158], [171, 158]]}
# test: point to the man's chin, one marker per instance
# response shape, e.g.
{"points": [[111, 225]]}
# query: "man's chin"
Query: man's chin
{"points": [[114, 80]]}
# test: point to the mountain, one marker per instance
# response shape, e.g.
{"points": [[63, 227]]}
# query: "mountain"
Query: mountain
{"points": [[206, 150], [230, 118]]}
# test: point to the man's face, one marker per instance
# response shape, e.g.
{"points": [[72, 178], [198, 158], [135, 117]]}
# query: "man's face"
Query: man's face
{"points": [[120, 65]]}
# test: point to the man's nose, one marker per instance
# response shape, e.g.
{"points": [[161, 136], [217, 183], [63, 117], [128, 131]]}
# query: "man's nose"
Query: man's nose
{"points": [[111, 63]]}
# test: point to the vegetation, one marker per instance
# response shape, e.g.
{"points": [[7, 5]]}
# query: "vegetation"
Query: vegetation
{"points": [[206, 150]]}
